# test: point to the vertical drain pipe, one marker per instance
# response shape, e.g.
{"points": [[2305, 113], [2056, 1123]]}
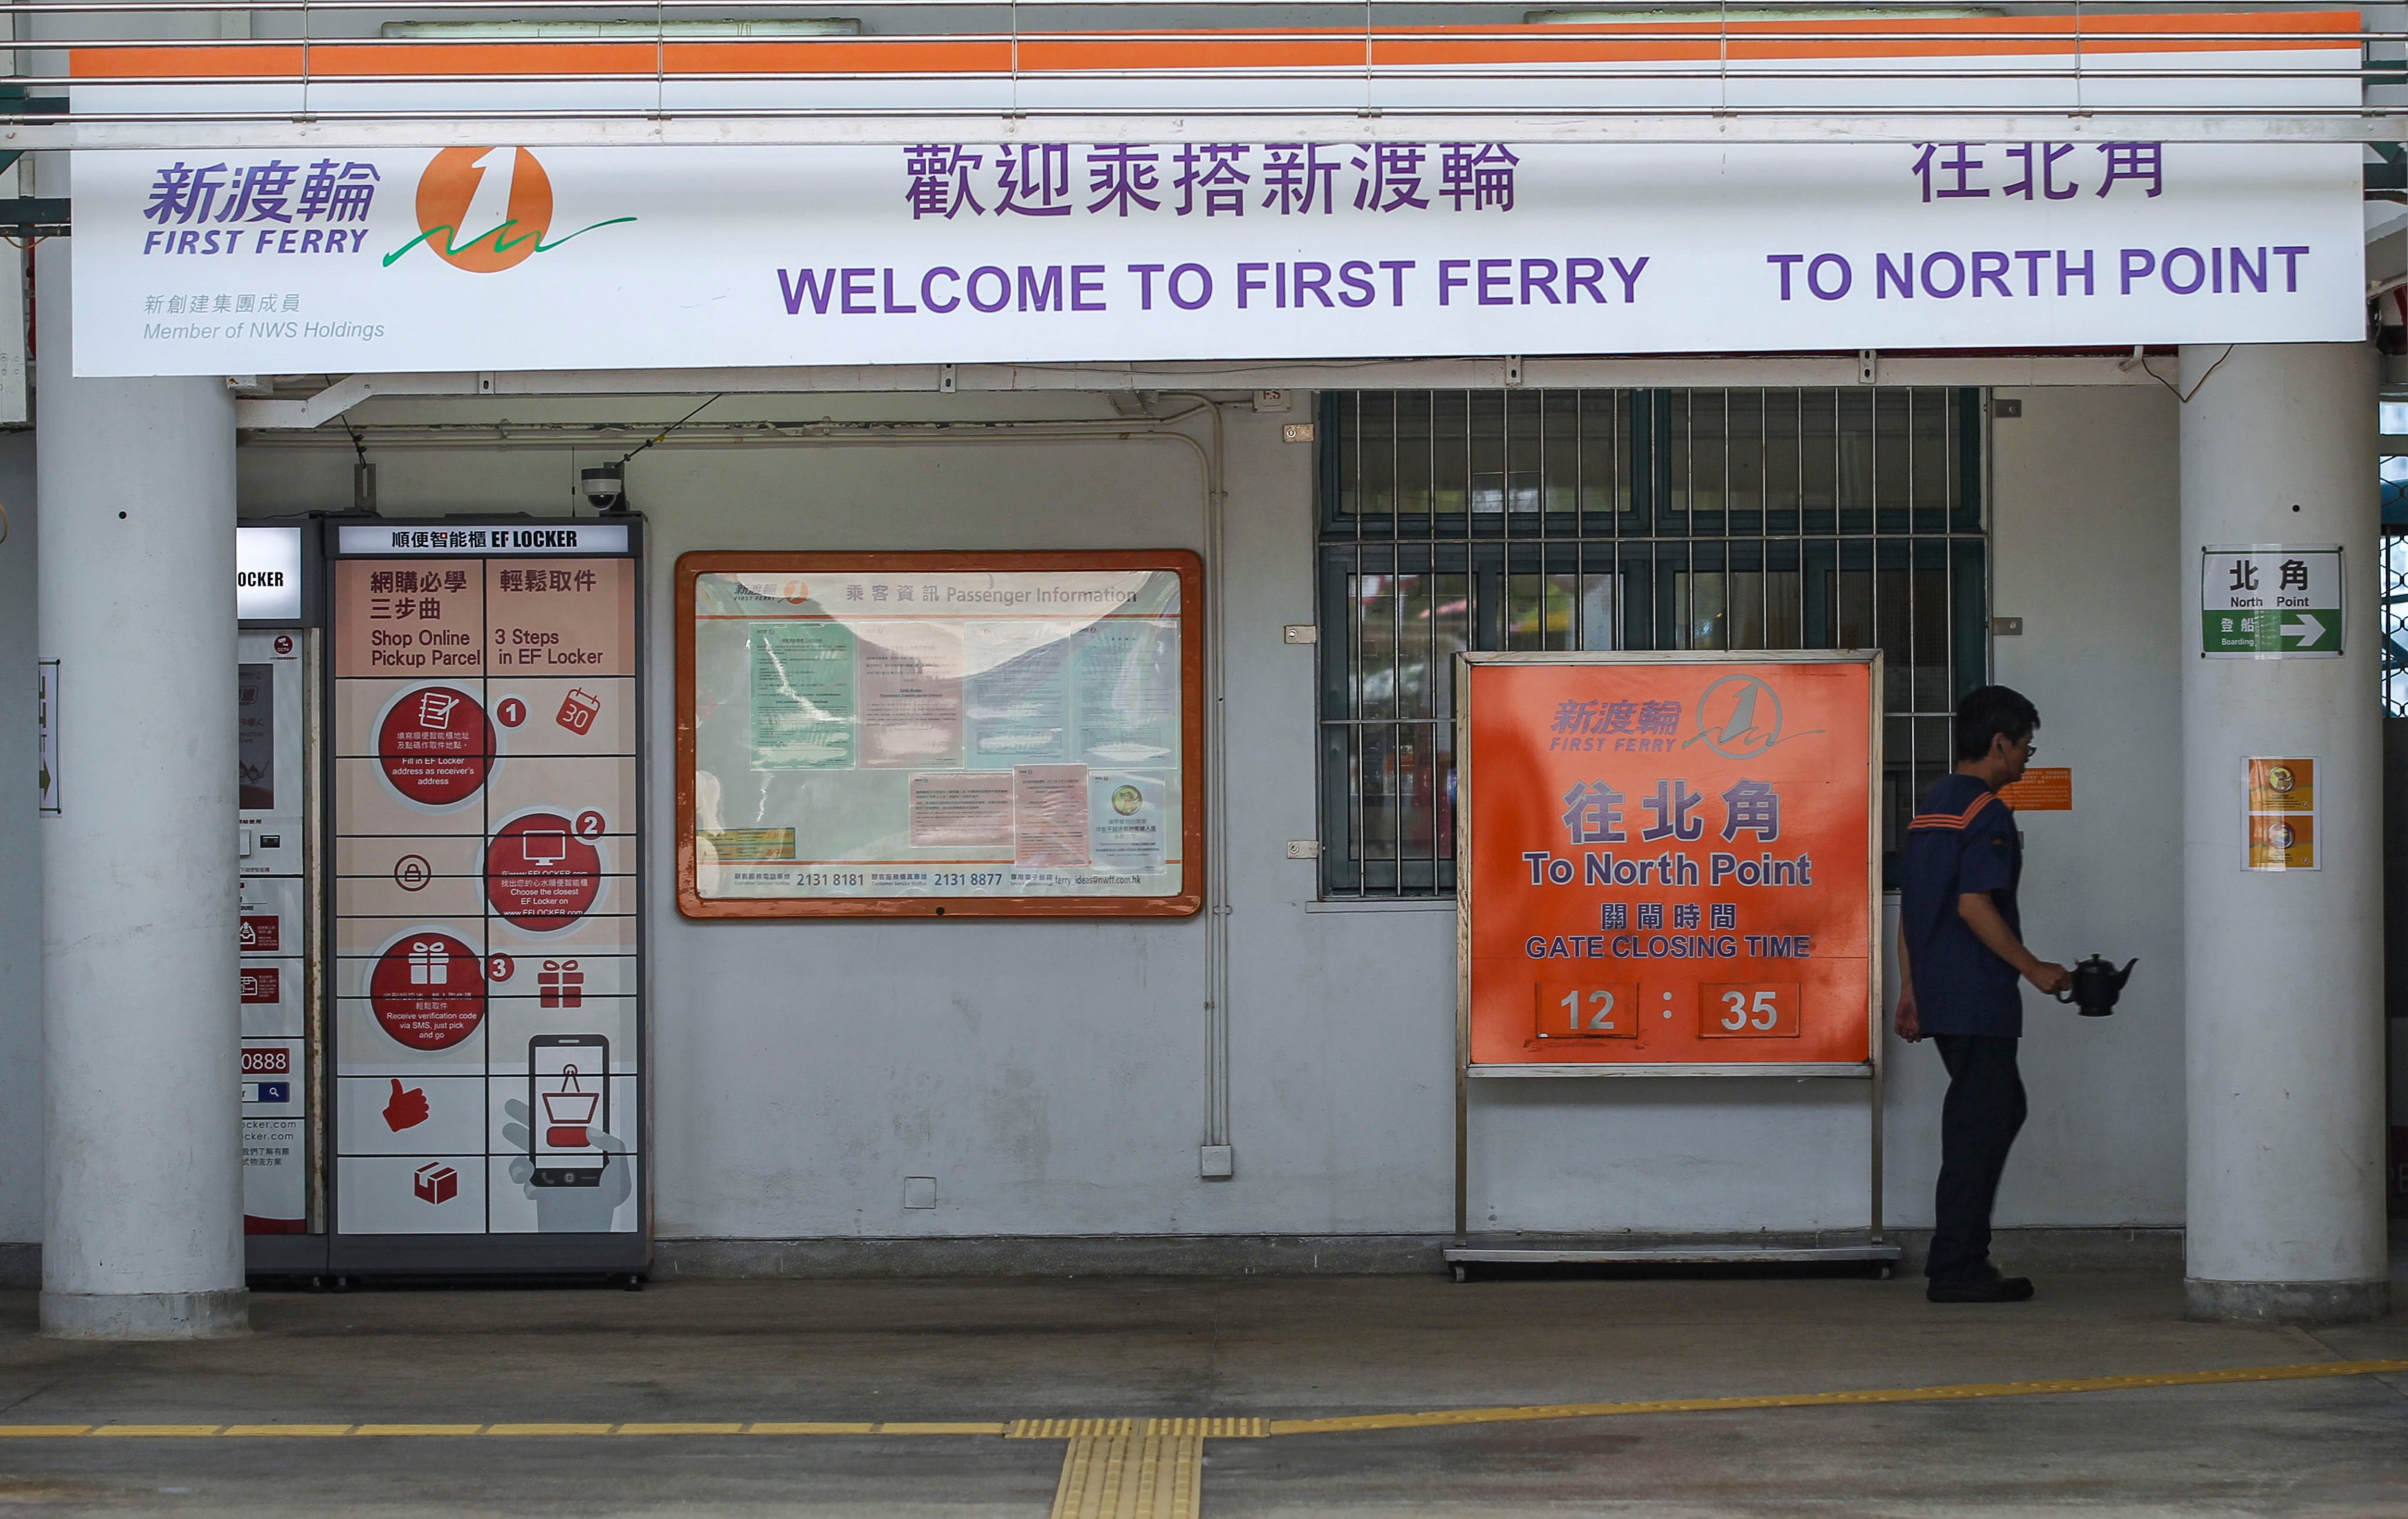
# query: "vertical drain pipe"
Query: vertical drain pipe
{"points": [[1217, 1160]]}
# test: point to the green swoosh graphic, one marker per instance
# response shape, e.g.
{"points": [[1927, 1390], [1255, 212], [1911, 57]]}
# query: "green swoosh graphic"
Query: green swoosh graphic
{"points": [[501, 243]]}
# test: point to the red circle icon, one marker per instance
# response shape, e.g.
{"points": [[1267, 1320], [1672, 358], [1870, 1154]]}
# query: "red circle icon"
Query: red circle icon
{"points": [[284, 643], [590, 825], [434, 745], [500, 968], [427, 992], [510, 713], [539, 873]]}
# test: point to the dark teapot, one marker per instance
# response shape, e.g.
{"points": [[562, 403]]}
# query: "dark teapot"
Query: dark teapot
{"points": [[2097, 984]]}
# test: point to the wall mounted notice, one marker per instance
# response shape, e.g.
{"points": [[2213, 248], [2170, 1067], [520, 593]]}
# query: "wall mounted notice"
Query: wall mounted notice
{"points": [[1668, 859], [2281, 820], [975, 734]]}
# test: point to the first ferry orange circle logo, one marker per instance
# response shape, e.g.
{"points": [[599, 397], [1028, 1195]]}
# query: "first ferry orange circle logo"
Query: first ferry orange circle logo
{"points": [[446, 205]]}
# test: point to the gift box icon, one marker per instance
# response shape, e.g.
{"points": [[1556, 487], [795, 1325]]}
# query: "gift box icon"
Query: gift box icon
{"points": [[561, 984], [430, 963], [435, 1182]]}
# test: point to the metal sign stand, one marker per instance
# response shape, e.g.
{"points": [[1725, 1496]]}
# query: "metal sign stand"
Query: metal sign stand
{"points": [[1467, 1251]]}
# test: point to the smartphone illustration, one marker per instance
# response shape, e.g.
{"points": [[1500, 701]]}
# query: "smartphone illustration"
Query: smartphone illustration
{"points": [[568, 1099]]}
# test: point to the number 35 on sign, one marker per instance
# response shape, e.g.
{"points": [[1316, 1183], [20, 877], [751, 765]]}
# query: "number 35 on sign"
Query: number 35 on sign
{"points": [[1756, 1010]]}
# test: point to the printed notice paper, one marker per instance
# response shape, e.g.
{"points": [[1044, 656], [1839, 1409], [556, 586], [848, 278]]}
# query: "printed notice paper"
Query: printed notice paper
{"points": [[802, 695]]}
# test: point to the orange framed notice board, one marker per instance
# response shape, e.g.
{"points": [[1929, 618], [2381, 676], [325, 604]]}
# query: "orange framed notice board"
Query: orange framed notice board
{"points": [[980, 734], [1669, 867]]}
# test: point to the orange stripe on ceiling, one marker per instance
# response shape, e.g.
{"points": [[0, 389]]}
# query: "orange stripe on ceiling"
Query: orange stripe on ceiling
{"points": [[1301, 48]]}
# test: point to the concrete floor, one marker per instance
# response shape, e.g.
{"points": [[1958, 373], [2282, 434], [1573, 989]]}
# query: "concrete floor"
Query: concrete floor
{"points": [[994, 1350]]}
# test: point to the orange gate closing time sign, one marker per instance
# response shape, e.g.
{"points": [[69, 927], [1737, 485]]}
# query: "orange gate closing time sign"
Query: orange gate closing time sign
{"points": [[1669, 858]]}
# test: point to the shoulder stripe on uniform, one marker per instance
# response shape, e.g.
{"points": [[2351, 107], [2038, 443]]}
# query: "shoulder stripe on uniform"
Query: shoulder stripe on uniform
{"points": [[1957, 820]]}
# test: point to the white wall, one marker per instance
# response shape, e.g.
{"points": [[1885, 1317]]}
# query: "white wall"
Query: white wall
{"points": [[1050, 1075], [20, 875], [2087, 545]]}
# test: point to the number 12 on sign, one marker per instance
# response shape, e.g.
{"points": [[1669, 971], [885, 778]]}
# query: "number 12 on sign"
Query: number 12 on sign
{"points": [[1588, 1012], [1757, 1010]]}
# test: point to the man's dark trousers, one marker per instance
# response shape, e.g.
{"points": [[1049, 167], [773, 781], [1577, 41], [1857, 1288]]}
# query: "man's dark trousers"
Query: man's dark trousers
{"points": [[1977, 1124]]}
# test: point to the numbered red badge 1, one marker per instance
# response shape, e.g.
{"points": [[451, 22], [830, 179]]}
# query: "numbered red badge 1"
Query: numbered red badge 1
{"points": [[434, 745], [511, 712]]}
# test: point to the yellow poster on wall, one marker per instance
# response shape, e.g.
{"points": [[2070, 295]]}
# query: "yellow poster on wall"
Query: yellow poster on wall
{"points": [[2281, 821]]}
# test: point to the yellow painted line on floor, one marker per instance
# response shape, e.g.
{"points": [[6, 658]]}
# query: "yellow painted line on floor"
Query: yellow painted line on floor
{"points": [[1445, 1417], [1133, 1432]]}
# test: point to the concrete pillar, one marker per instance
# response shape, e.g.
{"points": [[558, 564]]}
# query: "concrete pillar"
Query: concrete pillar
{"points": [[142, 1050], [2283, 1028]]}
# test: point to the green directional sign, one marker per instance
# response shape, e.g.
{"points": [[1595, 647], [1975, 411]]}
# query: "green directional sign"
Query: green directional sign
{"points": [[2270, 601]]}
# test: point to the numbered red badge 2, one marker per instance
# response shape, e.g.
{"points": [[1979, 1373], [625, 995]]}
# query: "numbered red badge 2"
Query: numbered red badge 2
{"points": [[428, 991], [434, 745]]}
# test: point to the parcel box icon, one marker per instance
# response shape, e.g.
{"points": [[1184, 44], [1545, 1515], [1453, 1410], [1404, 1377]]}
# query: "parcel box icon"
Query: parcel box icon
{"points": [[435, 1182]]}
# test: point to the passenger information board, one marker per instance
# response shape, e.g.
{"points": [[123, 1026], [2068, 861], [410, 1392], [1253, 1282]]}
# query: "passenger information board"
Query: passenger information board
{"points": [[930, 733], [1669, 860]]}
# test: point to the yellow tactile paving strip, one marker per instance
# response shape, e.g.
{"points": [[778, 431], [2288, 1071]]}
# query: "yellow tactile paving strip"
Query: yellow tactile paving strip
{"points": [[1100, 1433], [1130, 1477]]}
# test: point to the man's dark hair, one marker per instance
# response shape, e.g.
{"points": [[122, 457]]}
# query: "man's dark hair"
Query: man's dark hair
{"points": [[1985, 712]]}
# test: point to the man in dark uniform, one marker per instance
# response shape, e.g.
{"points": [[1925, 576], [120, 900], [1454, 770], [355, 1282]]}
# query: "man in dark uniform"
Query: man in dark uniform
{"points": [[1961, 951]]}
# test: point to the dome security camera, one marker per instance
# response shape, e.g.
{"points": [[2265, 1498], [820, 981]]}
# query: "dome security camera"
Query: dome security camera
{"points": [[605, 487]]}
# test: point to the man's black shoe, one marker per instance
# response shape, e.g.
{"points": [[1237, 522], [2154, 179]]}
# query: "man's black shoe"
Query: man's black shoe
{"points": [[1992, 1288]]}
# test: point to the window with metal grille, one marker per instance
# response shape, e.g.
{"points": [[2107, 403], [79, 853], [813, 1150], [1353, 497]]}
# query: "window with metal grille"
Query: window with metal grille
{"points": [[1627, 519]]}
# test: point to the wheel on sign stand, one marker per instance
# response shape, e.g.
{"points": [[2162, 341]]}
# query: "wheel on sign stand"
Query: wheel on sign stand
{"points": [[1883, 1270], [1462, 1272], [635, 1283]]}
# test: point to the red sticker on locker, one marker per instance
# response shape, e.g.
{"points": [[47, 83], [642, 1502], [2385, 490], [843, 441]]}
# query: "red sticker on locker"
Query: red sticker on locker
{"points": [[578, 709]]}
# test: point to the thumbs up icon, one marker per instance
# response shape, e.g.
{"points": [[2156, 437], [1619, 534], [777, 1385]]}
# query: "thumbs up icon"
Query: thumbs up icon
{"points": [[405, 1109]]}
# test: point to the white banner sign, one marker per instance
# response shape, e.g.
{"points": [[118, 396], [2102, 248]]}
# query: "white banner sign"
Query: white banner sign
{"points": [[266, 262]]}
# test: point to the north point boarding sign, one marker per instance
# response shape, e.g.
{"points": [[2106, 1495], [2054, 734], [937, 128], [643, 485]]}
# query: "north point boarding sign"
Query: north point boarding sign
{"points": [[1669, 860]]}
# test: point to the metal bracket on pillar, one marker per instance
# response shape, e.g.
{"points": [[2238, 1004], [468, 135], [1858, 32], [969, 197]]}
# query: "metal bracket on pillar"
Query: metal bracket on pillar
{"points": [[343, 394]]}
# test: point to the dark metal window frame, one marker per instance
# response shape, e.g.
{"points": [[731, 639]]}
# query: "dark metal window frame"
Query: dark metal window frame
{"points": [[1609, 508]]}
